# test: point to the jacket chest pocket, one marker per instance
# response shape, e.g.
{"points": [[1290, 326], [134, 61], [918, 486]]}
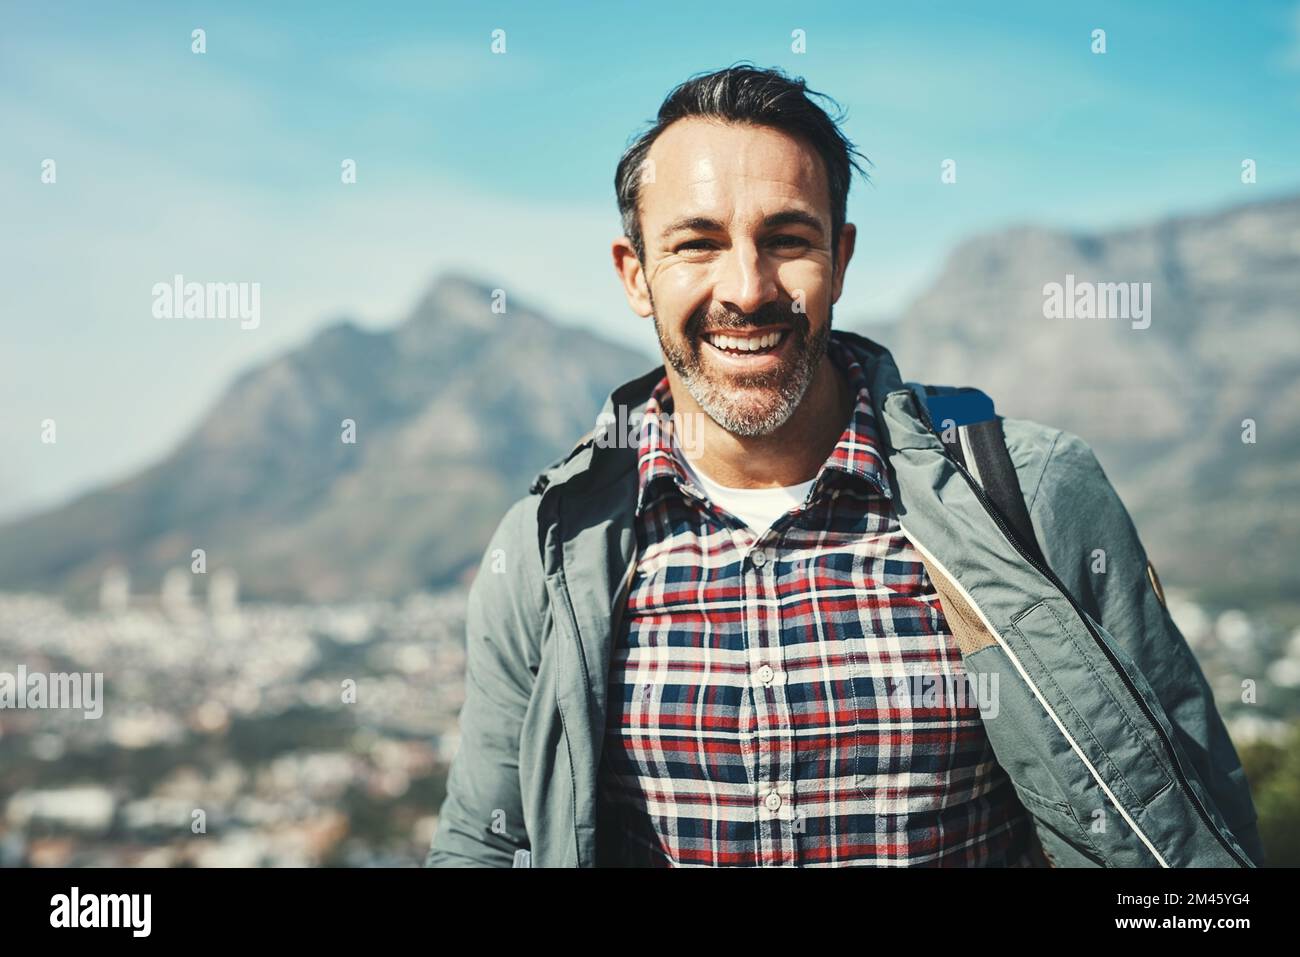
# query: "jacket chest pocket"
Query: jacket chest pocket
{"points": [[1087, 694]]}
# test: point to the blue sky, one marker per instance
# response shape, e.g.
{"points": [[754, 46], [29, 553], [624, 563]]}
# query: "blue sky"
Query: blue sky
{"points": [[225, 166]]}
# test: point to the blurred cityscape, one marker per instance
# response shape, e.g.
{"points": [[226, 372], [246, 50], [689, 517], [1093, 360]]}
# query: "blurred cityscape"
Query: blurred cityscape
{"points": [[319, 735], [253, 735]]}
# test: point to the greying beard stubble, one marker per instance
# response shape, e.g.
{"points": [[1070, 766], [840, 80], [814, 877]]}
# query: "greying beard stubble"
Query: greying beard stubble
{"points": [[740, 414]]}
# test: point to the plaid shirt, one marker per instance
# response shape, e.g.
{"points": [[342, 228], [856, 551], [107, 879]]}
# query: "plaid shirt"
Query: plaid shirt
{"points": [[765, 697]]}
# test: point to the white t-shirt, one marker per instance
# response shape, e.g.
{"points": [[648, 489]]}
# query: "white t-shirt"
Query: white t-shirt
{"points": [[756, 507]]}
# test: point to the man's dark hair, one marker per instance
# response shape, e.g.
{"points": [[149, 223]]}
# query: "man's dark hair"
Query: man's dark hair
{"points": [[743, 93]]}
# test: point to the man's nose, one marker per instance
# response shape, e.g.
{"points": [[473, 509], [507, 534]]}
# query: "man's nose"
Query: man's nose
{"points": [[744, 282]]}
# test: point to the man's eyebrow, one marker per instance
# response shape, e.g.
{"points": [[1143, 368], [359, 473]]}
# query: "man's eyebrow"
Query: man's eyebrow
{"points": [[786, 217], [701, 223], [793, 217]]}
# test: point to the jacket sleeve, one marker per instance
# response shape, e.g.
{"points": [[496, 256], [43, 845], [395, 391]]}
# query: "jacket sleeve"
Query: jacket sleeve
{"points": [[481, 822], [1077, 503]]}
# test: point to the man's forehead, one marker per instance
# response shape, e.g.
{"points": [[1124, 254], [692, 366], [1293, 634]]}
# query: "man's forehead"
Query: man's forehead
{"points": [[698, 157]]}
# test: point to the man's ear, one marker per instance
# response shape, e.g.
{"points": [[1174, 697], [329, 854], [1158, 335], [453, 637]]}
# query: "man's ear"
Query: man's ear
{"points": [[843, 253], [632, 276]]}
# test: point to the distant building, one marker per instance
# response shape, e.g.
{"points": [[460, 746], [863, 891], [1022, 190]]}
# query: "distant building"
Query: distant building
{"points": [[88, 809], [223, 593], [115, 590], [175, 594]]}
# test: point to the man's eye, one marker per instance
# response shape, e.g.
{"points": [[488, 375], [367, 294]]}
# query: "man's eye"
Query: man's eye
{"points": [[790, 242], [694, 244]]}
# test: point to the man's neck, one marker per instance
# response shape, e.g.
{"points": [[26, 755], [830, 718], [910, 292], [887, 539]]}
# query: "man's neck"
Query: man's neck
{"points": [[788, 456]]}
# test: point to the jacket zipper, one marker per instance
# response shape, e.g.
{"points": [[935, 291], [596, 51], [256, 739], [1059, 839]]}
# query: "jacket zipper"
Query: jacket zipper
{"points": [[1047, 573]]}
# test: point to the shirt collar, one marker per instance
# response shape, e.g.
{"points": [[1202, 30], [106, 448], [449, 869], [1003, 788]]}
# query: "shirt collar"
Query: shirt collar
{"points": [[658, 468], [857, 453]]}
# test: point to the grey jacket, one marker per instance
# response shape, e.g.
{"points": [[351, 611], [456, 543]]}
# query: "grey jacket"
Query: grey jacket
{"points": [[1104, 720]]}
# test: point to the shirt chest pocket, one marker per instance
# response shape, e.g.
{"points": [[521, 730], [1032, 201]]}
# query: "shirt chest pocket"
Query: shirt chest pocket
{"points": [[917, 738]]}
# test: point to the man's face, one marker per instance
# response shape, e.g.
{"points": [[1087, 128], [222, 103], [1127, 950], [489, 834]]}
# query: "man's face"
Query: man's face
{"points": [[737, 225]]}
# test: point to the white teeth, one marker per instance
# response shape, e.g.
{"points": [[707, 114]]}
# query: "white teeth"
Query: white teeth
{"points": [[746, 344]]}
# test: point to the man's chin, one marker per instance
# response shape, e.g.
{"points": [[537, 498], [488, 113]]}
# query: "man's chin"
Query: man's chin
{"points": [[747, 424], [758, 383], [748, 411]]}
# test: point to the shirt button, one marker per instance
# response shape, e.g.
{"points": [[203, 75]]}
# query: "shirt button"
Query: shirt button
{"points": [[760, 557], [773, 800], [766, 674]]}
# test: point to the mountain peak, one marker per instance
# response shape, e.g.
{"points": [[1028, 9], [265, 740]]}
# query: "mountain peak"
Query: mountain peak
{"points": [[454, 300], [453, 283]]}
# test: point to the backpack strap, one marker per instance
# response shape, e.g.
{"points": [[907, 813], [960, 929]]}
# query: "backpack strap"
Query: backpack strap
{"points": [[964, 420]]}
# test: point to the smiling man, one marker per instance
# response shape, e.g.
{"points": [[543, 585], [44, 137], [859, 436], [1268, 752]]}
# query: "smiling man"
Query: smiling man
{"points": [[744, 639]]}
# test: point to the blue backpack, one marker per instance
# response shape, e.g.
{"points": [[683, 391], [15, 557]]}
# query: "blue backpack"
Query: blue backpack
{"points": [[964, 420]]}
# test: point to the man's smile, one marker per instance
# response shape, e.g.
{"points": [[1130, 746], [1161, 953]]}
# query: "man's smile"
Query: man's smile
{"points": [[747, 349]]}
